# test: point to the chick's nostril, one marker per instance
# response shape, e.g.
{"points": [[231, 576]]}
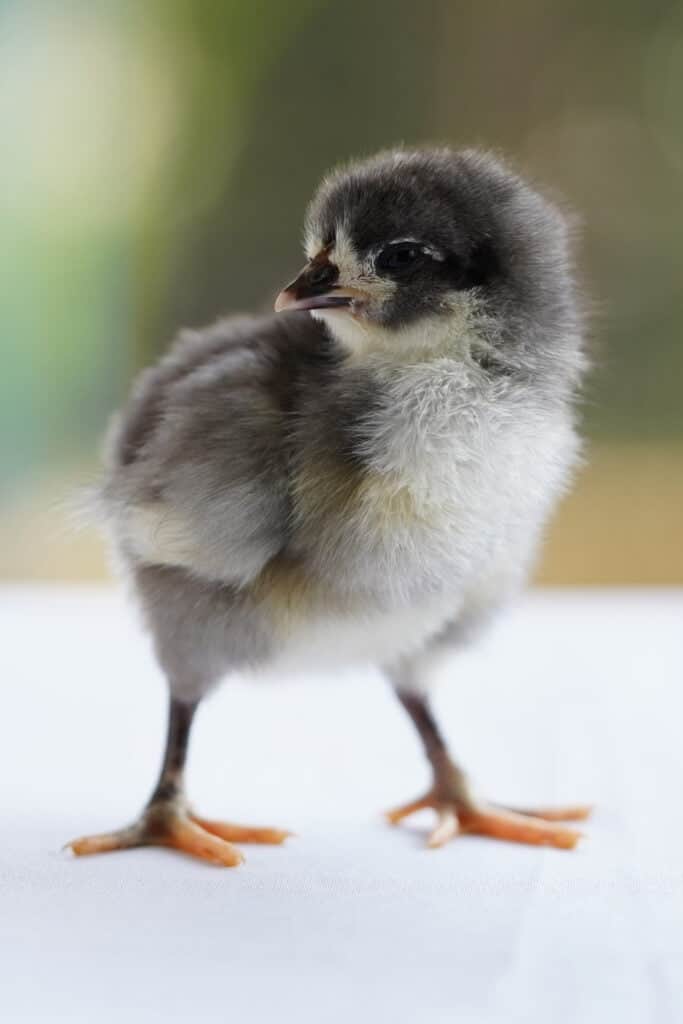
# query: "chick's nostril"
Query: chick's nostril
{"points": [[323, 274]]}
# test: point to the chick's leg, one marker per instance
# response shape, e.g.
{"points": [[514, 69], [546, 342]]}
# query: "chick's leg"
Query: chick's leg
{"points": [[458, 812], [167, 819]]}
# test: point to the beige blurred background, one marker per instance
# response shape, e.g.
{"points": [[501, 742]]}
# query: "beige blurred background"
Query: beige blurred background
{"points": [[157, 159]]}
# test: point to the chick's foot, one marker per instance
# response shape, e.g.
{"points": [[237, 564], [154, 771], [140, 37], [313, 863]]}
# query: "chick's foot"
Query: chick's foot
{"points": [[458, 812], [172, 824], [459, 815]]}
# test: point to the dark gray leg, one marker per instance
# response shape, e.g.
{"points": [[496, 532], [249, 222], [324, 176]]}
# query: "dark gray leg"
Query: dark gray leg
{"points": [[448, 776], [170, 783]]}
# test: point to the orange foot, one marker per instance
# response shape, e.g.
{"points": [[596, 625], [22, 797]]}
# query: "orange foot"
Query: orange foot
{"points": [[457, 817], [171, 824]]}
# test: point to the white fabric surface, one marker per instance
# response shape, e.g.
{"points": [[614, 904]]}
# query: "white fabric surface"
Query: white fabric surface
{"points": [[574, 696]]}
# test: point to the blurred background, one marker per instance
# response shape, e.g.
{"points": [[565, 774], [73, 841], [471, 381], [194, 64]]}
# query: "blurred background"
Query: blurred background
{"points": [[157, 161]]}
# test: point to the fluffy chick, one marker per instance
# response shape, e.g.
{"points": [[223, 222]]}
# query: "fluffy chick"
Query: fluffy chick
{"points": [[364, 476]]}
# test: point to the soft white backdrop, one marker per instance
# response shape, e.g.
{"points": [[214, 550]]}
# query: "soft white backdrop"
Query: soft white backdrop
{"points": [[575, 696]]}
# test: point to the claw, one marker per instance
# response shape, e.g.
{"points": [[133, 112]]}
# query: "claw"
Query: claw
{"points": [[446, 829], [520, 828], [243, 833], [399, 813], [105, 842], [573, 812], [188, 837]]}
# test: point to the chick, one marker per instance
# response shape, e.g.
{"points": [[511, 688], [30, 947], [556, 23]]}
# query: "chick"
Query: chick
{"points": [[364, 476]]}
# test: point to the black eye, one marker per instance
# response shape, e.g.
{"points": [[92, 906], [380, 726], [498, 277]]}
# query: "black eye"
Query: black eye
{"points": [[400, 256]]}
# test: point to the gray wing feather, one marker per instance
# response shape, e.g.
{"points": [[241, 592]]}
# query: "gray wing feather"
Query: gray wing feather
{"points": [[197, 466]]}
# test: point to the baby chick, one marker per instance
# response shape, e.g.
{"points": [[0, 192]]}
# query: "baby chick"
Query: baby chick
{"points": [[363, 477]]}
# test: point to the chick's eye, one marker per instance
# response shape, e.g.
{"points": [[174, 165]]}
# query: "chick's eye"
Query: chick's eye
{"points": [[399, 256]]}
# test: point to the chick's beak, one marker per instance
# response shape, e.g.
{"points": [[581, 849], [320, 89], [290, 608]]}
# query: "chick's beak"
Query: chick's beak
{"points": [[316, 287]]}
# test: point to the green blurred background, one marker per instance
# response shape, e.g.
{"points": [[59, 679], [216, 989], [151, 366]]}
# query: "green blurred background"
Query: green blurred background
{"points": [[157, 159]]}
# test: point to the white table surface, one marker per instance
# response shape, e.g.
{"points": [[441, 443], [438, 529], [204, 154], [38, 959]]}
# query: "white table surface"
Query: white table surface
{"points": [[575, 695]]}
